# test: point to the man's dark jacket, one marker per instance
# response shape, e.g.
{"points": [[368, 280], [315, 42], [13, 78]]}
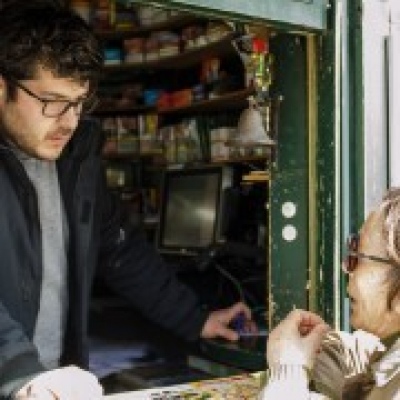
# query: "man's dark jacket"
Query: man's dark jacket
{"points": [[130, 266]]}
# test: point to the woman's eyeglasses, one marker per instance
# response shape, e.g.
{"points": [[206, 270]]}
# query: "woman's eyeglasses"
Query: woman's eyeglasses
{"points": [[350, 262]]}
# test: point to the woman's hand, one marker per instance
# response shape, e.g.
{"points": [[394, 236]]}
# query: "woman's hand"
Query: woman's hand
{"points": [[296, 339]]}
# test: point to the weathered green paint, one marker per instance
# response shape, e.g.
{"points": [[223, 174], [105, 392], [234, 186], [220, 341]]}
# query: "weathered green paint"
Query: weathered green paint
{"points": [[289, 258], [326, 176], [310, 14], [356, 116], [354, 196], [290, 84]]}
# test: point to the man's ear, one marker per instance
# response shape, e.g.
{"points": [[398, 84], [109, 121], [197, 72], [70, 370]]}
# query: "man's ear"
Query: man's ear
{"points": [[2, 88]]}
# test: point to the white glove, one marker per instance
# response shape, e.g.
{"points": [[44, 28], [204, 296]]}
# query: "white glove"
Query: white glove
{"points": [[296, 339], [68, 383]]}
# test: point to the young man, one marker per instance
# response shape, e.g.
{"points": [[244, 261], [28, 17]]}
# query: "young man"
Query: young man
{"points": [[57, 220]]}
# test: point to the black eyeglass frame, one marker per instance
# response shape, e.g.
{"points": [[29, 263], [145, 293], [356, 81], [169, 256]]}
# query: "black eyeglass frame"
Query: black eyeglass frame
{"points": [[78, 106]]}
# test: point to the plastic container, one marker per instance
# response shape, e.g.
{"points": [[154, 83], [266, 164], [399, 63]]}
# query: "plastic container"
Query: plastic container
{"points": [[112, 56], [151, 96], [83, 9]]}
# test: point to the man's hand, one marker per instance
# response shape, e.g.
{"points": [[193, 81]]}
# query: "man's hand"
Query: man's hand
{"points": [[217, 324], [296, 339], [68, 383]]}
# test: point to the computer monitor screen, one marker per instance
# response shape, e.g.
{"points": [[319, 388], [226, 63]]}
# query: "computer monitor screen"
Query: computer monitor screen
{"points": [[191, 211]]}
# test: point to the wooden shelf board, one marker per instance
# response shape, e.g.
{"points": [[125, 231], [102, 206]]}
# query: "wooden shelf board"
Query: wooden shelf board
{"points": [[130, 156], [172, 23], [230, 100], [124, 110], [178, 61]]}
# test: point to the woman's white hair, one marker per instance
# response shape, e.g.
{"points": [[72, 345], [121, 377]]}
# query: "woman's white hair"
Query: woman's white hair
{"points": [[391, 229], [390, 208]]}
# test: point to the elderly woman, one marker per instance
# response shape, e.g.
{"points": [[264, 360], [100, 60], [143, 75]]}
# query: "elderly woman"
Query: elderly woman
{"points": [[303, 352]]}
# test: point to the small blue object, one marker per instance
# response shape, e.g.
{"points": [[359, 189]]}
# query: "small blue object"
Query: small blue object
{"points": [[112, 55], [259, 333], [239, 322], [151, 96]]}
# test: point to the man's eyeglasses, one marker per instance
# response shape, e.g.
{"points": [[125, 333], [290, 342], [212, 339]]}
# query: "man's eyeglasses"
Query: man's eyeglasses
{"points": [[350, 262], [56, 108]]}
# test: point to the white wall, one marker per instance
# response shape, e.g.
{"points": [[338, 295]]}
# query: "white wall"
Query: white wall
{"points": [[394, 93], [375, 23]]}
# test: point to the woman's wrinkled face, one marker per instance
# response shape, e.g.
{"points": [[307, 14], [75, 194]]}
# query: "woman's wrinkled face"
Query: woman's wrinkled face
{"points": [[368, 286]]}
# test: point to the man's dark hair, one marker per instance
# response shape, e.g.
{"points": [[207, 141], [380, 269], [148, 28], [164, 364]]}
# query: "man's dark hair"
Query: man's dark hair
{"points": [[21, 2], [47, 34]]}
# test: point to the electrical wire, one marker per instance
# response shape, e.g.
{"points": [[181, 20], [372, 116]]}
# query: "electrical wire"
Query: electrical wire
{"points": [[232, 279]]}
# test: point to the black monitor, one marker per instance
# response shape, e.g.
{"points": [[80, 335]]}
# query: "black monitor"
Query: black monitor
{"points": [[191, 217]]}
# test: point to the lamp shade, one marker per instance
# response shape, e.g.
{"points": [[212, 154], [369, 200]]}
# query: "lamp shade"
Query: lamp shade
{"points": [[250, 130]]}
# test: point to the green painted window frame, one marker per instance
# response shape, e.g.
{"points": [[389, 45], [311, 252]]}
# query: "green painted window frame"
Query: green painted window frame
{"points": [[299, 14]]}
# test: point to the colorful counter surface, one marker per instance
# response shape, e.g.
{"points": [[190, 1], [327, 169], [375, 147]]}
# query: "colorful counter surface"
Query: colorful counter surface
{"points": [[239, 387]]}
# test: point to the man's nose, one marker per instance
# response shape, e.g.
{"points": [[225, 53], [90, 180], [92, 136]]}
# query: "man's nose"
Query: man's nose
{"points": [[69, 118]]}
